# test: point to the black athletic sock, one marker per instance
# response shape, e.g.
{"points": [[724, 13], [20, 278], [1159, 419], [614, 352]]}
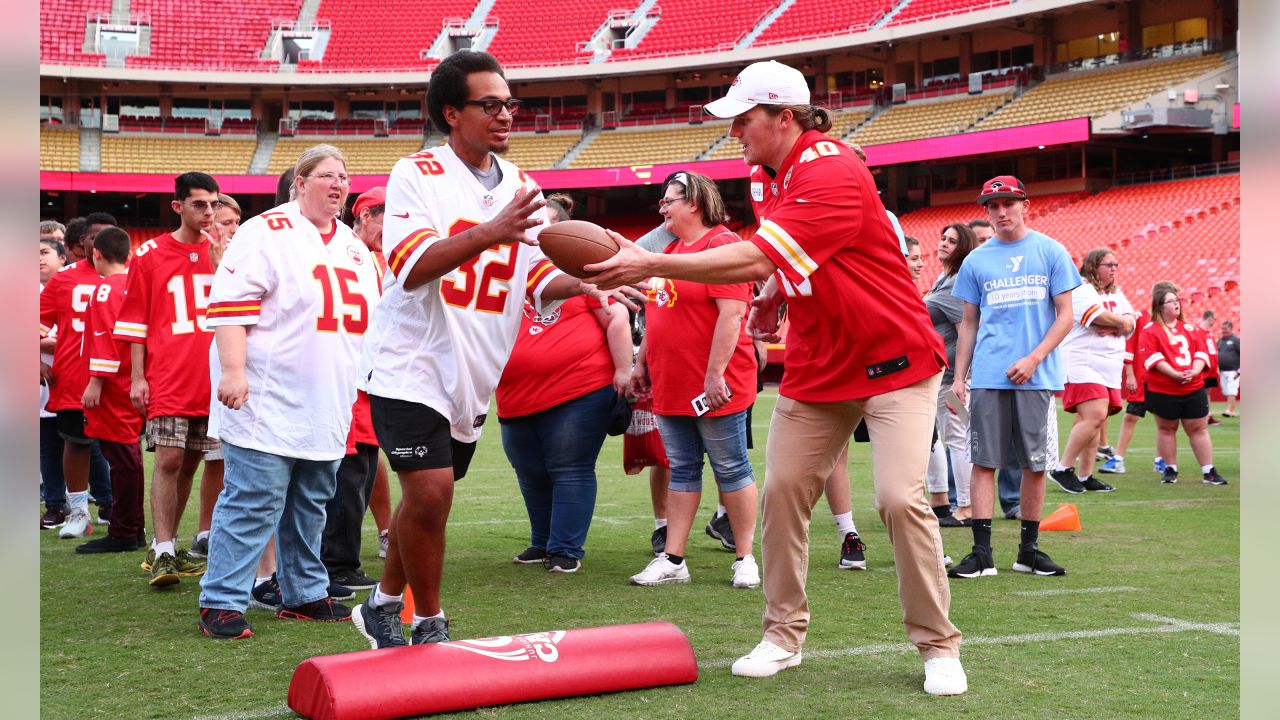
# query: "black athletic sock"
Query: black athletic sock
{"points": [[942, 511], [982, 533], [1030, 533], [675, 559]]}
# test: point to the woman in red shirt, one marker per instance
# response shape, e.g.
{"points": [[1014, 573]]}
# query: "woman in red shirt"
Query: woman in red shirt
{"points": [[566, 372], [700, 367], [1174, 355]]}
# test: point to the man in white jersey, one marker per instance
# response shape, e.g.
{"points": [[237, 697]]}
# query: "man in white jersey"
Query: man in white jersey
{"points": [[461, 235]]}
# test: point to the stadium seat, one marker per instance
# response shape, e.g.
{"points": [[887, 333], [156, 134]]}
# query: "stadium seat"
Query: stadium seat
{"points": [[916, 121], [365, 156], [59, 149], [816, 18], [650, 146], [152, 154]]}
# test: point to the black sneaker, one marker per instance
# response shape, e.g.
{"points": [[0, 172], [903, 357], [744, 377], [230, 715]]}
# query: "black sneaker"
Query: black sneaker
{"points": [[659, 541], [107, 544], [560, 564], [353, 579], [852, 551], [266, 596], [1067, 480], [323, 610], [340, 592], [1213, 478], [1214, 421], [976, 564], [200, 547], [1093, 484], [53, 518], [104, 514], [531, 556], [224, 624], [1032, 560], [432, 630], [720, 529], [953, 521], [1170, 475], [380, 625]]}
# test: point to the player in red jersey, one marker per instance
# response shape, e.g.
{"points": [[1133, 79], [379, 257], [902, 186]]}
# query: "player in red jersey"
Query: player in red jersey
{"points": [[860, 345], [1133, 390], [110, 416], [63, 304], [164, 317], [1175, 356]]}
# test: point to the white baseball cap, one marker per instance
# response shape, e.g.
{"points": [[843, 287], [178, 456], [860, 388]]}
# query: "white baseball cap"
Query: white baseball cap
{"points": [[763, 83]]}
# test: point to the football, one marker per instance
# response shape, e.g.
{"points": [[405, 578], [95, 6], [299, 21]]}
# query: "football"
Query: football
{"points": [[573, 243]]}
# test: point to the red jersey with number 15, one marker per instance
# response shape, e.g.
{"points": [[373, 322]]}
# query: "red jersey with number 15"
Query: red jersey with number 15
{"points": [[63, 304], [168, 293], [115, 419], [1180, 345]]}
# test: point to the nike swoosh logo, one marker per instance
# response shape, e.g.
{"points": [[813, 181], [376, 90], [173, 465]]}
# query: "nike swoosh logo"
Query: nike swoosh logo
{"points": [[405, 216], [801, 200], [99, 333], [231, 270]]}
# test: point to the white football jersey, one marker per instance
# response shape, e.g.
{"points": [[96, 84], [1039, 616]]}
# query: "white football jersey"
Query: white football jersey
{"points": [[444, 343], [1087, 356], [307, 305]]}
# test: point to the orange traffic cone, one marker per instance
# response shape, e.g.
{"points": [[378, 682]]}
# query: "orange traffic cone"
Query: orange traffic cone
{"points": [[1066, 517], [406, 615]]}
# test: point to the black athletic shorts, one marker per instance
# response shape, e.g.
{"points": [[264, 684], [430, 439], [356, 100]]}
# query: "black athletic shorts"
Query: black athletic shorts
{"points": [[1191, 406], [71, 427], [1137, 409], [415, 437]]}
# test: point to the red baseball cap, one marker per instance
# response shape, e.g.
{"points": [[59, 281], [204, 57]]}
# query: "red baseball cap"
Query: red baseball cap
{"points": [[369, 198], [1002, 186]]}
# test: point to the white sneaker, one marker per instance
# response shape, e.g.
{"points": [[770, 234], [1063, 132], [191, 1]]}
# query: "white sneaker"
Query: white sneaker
{"points": [[661, 571], [944, 676], [765, 660], [384, 541], [746, 574], [78, 525]]}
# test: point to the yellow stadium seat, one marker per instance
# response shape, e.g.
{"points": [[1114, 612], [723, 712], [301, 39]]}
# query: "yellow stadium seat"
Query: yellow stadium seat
{"points": [[152, 154], [59, 149], [365, 156], [650, 146]]}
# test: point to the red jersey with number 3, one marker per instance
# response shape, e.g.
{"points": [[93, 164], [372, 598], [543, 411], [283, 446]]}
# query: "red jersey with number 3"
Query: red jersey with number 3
{"points": [[859, 327], [115, 419], [1180, 345], [64, 303], [168, 293]]}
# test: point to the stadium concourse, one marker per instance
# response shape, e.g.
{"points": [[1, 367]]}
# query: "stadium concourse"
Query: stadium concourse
{"points": [[1122, 119]]}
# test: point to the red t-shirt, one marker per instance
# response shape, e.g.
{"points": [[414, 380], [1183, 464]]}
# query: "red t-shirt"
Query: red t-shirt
{"points": [[1179, 345], [168, 293], [64, 303], [115, 419], [556, 358], [680, 321], [858, 325], [1130, 352]]}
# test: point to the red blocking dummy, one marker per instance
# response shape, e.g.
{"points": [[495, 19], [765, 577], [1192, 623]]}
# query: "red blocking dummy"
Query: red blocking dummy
{"points": [[462, 674]]}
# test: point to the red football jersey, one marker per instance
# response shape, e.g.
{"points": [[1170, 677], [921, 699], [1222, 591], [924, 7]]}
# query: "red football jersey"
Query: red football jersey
{"points": [[168, 293], [115, 419], [680, 320], [859, 327], [555, 359], [1180, 345], [1130, 352], [64, 303]]}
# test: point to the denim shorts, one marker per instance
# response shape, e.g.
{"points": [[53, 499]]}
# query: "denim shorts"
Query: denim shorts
{"points": [[722, 439]]}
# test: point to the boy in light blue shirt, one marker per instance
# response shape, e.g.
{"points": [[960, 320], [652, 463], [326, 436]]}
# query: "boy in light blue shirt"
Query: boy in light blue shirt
{"points": [[1017, 293]]}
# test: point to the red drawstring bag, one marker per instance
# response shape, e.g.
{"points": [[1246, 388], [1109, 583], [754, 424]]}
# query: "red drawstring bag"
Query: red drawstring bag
{"points": [[642, 443]]}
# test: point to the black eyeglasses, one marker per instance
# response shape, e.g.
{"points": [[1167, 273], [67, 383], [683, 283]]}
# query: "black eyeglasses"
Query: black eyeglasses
{"points": [[493, 106]]}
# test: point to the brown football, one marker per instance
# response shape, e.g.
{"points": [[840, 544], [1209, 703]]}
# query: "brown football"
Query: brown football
{"points": [[573, 243]]}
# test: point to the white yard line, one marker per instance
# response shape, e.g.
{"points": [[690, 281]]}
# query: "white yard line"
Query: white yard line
{"points": [[1076, 591]]}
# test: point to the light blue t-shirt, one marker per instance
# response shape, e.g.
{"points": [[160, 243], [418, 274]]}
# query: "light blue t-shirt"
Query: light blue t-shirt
{"points": [[1013, 284]]}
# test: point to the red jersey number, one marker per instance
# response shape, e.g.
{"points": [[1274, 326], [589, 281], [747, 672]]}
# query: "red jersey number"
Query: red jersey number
{"points": [[490, 293], [348, 284], [277, 221]]}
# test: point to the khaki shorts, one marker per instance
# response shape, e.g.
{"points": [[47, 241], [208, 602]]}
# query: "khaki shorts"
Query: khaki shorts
{"points": [[190, 433]]}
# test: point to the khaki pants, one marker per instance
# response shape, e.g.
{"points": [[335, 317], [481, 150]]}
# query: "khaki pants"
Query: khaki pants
{"points": [[805, 440]]}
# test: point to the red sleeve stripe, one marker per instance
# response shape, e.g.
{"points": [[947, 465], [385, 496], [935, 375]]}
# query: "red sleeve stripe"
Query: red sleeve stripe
{"points": [[230, 309], [1090, 314], [539, 271], [400, 255]]}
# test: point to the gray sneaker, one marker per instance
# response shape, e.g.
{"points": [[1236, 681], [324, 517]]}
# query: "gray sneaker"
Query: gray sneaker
{"points": [[659, 540], [432, 630], [380, 625], [200, 548], [720, 529]]}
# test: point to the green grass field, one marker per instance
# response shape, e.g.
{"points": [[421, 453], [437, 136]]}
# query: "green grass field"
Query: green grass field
{"points": [[1145, 624]]}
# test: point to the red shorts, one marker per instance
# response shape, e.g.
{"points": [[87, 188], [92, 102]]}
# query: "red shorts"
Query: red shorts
{"points": [[1076, 393]]}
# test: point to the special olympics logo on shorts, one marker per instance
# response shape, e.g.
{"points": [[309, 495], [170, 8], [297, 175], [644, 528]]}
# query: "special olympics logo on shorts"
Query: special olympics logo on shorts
{"points": [[420, 451], [518, 648]]}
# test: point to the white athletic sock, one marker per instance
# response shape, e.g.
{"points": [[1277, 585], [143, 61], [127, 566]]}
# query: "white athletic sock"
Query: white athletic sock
{"points": [[259, 581], [1059, 467], [419, 619], [380, 598], [164, 547], [1172, 467], [78, 501], [720, 510], [844, 524], [1206, 468], [1119, 458], [659, 523]]}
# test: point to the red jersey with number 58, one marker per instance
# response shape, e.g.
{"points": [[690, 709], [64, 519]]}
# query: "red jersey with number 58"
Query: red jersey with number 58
{"points": [[63, 304], [168, 293], [1180, 345], [115, 419]]}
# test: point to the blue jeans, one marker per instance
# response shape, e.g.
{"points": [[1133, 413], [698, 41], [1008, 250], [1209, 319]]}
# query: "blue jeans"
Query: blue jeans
{"points": [[264, 494], [554, 455], [1009, 487], [722, 439], [53, 485]]}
